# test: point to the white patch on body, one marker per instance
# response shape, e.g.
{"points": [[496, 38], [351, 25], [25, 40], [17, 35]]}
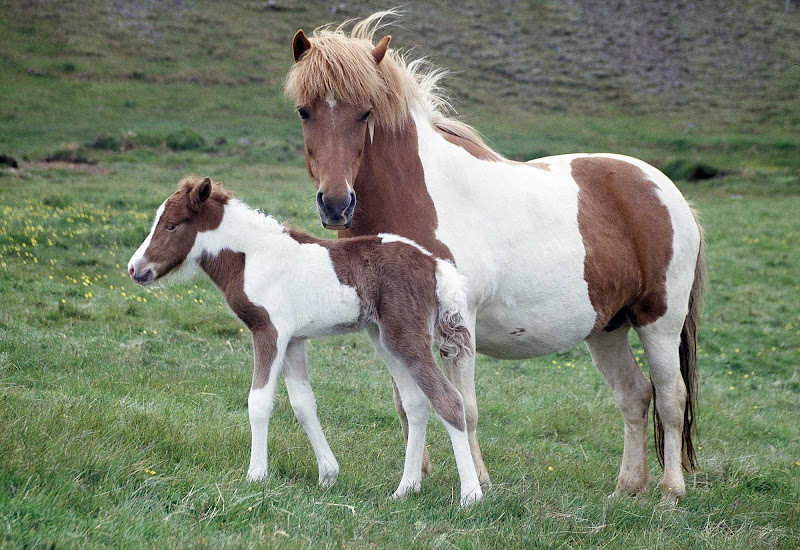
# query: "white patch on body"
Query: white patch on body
{"points": [[513, 232]]}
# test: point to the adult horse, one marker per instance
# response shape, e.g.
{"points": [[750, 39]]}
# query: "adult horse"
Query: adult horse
{"points": [[556, 251]]}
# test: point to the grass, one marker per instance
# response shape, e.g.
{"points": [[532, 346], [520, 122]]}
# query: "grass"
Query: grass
{"points": [[123, 411]]}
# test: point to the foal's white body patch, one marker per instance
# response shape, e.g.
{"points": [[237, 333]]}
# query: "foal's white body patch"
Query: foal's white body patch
{"points": [[283, 275]]}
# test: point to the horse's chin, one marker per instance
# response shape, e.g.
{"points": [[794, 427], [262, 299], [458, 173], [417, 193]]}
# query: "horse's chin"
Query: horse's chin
{"points": [[337, 225]]}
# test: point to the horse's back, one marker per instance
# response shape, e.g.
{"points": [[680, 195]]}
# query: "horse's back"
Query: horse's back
{"points": [[594, 239]]}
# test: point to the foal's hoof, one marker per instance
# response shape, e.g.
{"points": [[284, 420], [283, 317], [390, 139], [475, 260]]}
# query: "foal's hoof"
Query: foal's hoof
{"points": [[406, 488], [328, 477], [473, 497], [257, 473]]}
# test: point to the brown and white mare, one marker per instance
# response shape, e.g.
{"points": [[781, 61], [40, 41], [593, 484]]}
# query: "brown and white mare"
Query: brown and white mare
{"points": [[287, 287], [556, 251]]}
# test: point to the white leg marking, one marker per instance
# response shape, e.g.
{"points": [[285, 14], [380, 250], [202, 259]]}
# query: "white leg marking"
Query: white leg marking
{"points": [[260, 403], [471, 491], [259, 407], [305, 409], [417, 409], [612, 356], [661, 349]]}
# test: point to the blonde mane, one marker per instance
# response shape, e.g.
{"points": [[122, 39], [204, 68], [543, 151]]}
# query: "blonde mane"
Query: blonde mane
{"points": [[341, 64]]}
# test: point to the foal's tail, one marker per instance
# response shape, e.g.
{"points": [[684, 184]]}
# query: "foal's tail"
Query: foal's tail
{"points": [[451, 333], [688, 359]]}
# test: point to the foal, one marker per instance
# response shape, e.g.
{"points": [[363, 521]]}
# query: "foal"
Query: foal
{"points": [[287, 287]]}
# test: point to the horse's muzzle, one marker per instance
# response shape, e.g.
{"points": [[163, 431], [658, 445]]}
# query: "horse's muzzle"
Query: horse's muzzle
{"points": [[336, 215]]}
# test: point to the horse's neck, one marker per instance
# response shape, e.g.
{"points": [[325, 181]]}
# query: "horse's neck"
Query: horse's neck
{"points": [[391, 191]]}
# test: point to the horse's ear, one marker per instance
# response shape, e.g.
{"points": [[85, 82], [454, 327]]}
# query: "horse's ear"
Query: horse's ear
{"points": [[300, 44], [200, 194], [380, 50]]}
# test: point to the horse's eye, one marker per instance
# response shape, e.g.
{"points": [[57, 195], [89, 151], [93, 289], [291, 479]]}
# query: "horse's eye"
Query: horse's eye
{"points": [[365, 116], [169, 227], [304, 114]]}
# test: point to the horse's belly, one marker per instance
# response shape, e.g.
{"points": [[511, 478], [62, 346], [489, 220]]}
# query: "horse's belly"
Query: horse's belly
{"points": [[519, 333]]}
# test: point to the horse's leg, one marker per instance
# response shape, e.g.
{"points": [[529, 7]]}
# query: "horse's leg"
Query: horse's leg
{"points": [[269, 353], [462, 374], [612, 356], [305, 409], [661, 341], [401, 413]]}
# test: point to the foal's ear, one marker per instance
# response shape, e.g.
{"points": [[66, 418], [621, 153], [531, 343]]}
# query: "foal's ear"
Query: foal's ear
{"points": [[380, 50], [201, 193], [300, 44]]}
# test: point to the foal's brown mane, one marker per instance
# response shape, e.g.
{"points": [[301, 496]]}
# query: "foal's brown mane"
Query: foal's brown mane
{"points": [[341, 64], [218, 193]]}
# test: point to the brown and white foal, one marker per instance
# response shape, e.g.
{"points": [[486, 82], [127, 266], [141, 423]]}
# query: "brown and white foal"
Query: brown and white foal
{"points": [[287, 287]]}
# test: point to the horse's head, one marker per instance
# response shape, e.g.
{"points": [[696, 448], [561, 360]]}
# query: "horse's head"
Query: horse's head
{"points": [[196, 206], [342, 89]]}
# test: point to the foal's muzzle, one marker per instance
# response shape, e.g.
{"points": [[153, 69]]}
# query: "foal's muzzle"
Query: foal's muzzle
{"points": [[142, 276], [336, 214]]}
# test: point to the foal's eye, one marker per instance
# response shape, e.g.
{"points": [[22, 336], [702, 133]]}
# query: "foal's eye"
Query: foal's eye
{"points": [[365, 116], [169, 227], [304, 114]]}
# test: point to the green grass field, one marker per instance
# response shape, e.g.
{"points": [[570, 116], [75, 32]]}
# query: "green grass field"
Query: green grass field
{"points": [[123, 412]]}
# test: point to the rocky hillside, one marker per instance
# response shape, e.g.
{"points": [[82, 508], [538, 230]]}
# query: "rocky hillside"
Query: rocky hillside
{"points": [[735, 62]]}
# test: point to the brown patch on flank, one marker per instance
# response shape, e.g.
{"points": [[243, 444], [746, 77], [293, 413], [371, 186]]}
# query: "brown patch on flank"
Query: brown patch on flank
{"points": [[627, 234], [227, 271], [391, 194], [538, 164], [396, 284]]}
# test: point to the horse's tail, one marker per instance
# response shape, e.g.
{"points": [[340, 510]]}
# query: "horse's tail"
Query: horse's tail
{"points": [[451, 332], [687, 352]]}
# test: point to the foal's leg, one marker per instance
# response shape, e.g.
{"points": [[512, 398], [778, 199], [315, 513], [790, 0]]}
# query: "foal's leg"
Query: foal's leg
{"points": [[462, 374], [612, 356], [422, 384], [415, 410], [401, 413], [269, 353], [661, 341], [305, 409]]}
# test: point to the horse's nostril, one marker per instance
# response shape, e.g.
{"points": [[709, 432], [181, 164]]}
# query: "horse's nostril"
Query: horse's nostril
{"points": [[130, 270]]}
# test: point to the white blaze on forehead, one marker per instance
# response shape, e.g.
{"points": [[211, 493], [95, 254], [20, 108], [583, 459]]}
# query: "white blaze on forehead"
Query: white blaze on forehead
{"points": [[330, 100], [392, 238], [143, 247]]}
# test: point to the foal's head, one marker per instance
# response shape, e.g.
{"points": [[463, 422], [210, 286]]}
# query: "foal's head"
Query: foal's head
{"points": [[197, 205]]}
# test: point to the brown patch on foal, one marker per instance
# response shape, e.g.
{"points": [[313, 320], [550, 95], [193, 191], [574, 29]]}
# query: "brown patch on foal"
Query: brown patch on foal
{"points": [[227, 271], [391, 174], [627, 234], [402, 304]]}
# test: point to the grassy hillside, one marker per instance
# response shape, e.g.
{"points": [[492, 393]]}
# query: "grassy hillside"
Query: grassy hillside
{"points": [[123, 411]]}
